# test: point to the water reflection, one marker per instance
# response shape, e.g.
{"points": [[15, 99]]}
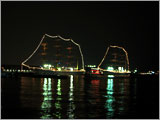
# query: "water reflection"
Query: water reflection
{"points": [[71, 106], [47, 97], [95, 92], [58, 106], [121, 98], [110, 99]]}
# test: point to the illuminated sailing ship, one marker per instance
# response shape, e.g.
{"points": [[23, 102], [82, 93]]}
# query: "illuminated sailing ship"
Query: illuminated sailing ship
{"points": [[57, 54], [115, 61]]}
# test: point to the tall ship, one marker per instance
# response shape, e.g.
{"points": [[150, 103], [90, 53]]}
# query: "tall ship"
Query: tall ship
{"points": [[55, 55], [115, 62]]}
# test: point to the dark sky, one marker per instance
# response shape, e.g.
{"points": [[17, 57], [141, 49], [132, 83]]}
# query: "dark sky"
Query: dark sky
{"points": [[94, 25]]}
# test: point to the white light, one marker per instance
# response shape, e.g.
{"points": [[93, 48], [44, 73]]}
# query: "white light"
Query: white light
{"points": [[71, 69], [59, 69], [71, 81], [111, 76], [49, 66], [45, 65], [119, 68], [135, 71], [110, 68], [123, 69]]}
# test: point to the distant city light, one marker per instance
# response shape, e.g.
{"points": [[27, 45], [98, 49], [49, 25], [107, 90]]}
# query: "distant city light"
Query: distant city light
{"points": [[135, 70], [150, 72], [147, 73]]}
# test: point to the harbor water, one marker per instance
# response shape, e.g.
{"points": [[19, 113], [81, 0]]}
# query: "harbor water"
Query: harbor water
{"points": [[80, 98]]}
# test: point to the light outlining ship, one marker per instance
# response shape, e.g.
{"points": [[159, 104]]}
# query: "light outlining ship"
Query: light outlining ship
{"points": [[61, 59], [58, 57], [115, 63]]}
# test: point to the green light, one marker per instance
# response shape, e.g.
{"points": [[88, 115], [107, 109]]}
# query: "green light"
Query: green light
{"points": [[59, 69], [58, 105], [58, 115], [58, 100], [71, 107], [110, 99], [49, 84], [110, 68], [110, 86], [91, 66], [71, 89], [110, 76], [59, 87], [47, 97], [135, 71], [47, 66]]}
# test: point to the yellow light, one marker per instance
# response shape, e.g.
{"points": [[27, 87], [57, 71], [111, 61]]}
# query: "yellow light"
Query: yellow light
{"points": [[59, 69]]}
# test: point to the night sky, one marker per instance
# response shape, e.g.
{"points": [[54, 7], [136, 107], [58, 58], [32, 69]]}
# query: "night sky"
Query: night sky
{"points": [[94, 25]]}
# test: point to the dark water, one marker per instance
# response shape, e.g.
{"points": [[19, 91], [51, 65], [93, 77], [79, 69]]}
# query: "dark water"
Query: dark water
{"points": [[77, 97]]}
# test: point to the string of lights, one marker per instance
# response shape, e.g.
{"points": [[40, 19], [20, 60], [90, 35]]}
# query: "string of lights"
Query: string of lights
{"points": [[33, 51], [115, 47], [103, 57], [125, 53], [23, 63], [80, 53]]}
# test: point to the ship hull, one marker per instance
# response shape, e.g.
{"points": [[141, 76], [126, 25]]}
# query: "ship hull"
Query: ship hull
{"points": [[107, 73]]}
